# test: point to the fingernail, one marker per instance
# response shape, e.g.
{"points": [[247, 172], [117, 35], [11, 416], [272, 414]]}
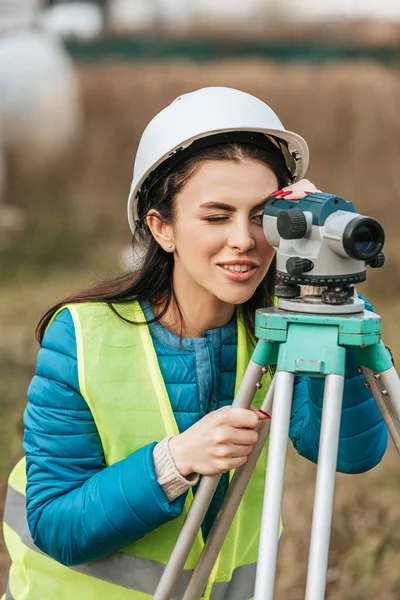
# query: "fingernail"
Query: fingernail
{"points": [[284, 194], [277, 193], [309, 192], [264, 413]]}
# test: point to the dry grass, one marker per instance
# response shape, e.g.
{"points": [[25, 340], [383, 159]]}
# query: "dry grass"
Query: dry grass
{"points": [[349, 115]]}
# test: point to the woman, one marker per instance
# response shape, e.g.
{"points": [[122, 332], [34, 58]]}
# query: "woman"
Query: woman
{"points": [[123, 416]]}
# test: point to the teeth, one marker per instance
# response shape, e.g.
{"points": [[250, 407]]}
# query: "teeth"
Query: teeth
{"points": [[237, 268]]}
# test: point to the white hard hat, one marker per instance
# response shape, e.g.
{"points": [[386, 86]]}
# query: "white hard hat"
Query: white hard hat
{"points": [[204, 114]]}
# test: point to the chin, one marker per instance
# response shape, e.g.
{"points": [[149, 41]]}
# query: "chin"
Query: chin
{"points": [[235, 297]]}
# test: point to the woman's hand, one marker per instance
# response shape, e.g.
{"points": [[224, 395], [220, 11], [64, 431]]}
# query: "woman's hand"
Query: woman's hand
{"points": [[296, 191], [220, 441]]}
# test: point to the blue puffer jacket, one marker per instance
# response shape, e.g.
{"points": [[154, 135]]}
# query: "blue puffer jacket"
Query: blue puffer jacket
{"points": [[80, 510]]}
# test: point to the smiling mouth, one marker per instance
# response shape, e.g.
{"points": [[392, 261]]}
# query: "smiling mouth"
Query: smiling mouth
{"points": [[238, 272], [238, 268]]}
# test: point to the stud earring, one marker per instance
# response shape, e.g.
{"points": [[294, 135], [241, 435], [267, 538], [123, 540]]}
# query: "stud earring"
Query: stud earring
{"points": [[170, 246]]}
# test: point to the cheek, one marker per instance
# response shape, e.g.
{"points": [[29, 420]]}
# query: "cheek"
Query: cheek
{"points": [[197, 242]]}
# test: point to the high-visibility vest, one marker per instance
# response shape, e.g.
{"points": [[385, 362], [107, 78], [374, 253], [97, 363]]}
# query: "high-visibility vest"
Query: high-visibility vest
{"points": [[120, 379]]}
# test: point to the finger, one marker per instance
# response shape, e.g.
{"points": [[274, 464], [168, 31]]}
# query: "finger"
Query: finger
{"points": [[237, 450], [232, 451], [242, 436], [233, 463], [281, 193], [296, 191], [297, 194], [242, 417], [260, 413]]}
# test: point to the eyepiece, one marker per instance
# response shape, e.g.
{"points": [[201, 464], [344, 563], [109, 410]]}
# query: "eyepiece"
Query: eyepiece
{"points": [[363, 238]]}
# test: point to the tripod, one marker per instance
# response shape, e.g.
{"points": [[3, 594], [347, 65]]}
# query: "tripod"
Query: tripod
{"points": [[305, 342]]}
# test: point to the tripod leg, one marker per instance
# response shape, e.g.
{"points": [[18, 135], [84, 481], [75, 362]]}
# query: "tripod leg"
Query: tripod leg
{"points": [[201, 502], [385, 388], [268, 549], [325, 485], [228, 509]]}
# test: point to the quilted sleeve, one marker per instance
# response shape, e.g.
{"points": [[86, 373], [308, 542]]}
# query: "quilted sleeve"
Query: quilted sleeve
{"points": [[363, 433], [78, 509]]}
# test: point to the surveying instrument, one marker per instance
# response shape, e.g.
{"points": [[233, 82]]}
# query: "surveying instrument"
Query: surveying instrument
{"points": [[322, 248]]}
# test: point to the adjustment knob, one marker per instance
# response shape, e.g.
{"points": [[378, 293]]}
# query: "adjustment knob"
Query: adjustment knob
{"points": [[334, 296], [378, 261], [291, 224], [297, 266], [287, 290]]}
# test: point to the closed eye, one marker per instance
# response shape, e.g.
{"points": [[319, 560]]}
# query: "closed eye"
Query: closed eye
{"points": [[216, 218]]}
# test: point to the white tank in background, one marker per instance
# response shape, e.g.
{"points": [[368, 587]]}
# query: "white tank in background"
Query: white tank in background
{"points": [[386, 10], [40, 105], [334, 9], [18, 13], [317, 10], [14, 15], [82, 20], [225, 11], [176, 12], [128, 15]]}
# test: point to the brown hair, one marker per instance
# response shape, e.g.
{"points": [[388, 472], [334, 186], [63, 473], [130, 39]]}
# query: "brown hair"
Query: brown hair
{"points": [[153, 280]]}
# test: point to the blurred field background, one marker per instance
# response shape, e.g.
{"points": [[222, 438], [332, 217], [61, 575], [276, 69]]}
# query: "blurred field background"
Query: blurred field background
{"points": [[75, 228]]}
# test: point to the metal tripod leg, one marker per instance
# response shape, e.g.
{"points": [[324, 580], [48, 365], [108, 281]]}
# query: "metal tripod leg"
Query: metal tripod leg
{"points": [[228, 509], [277, 450], [385, 387], [202, 498], [313, 350], [325, 486]]}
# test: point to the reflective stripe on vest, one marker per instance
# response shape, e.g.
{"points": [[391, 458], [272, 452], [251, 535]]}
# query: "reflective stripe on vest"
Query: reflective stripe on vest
{"points": [[8, 595], [129, 571], [117, 359]]}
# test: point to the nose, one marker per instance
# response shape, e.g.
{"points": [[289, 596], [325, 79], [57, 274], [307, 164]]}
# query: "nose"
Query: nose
{"points": [[241, 238]]}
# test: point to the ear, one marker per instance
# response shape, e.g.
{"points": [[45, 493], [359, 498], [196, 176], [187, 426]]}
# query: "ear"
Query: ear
{"points": [[161, 232]]}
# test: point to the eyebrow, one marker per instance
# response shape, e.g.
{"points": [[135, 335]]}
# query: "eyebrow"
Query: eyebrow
{"points": [[229, 207]]}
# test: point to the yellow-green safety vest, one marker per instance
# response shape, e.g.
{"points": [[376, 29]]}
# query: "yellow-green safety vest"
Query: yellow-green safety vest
{"points": [[117, 370]]}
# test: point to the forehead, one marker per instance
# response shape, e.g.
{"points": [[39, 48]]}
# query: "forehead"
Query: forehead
{"points": [[238, 183]]}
